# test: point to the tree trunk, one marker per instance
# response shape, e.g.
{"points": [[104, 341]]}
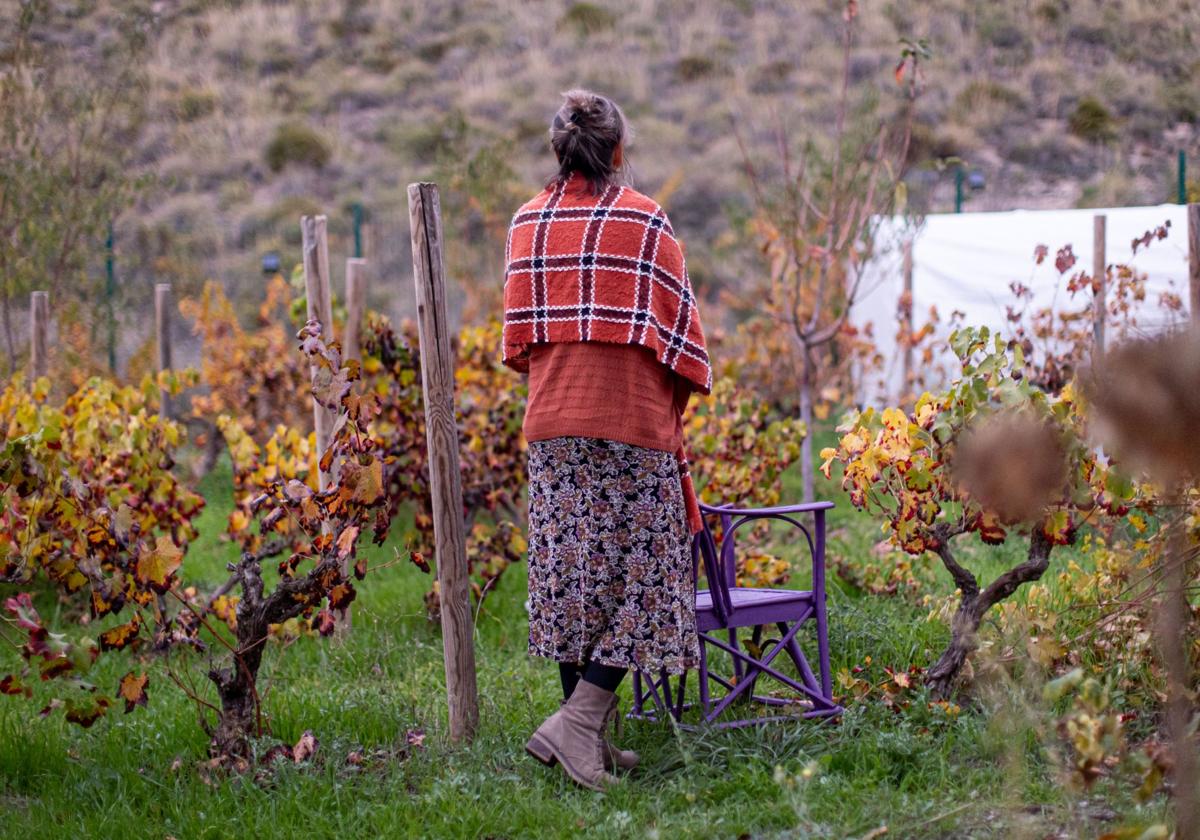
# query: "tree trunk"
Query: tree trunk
{"points": [[806, 416], [974, 605], [240, 717], [237, 688], [963, 628]]}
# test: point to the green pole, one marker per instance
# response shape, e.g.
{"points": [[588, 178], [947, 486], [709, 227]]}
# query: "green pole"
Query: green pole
{"points": [[110, 288], [958, 189], [1181, 190], [358, 216]]}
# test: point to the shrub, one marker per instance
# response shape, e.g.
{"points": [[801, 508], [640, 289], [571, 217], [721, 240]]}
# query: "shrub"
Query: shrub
{"points": [[587, 19], [88, 502], [1091, 121], [297, 143], [1181, 101], [692, 68], [983, 98], [194, 104]]}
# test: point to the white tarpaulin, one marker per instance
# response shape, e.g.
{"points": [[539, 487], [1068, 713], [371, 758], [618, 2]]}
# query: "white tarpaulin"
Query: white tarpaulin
{"points": [[967, 262]]}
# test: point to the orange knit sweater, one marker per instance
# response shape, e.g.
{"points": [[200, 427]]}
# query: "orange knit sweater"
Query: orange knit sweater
{"points": [[604, 390]]}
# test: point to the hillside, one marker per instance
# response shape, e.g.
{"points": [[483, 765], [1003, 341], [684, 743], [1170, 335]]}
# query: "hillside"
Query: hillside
{"points": [[261, 111]]}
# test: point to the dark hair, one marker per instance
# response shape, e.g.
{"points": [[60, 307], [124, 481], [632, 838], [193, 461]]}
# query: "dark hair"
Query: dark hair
{"points": [[584, 135]]}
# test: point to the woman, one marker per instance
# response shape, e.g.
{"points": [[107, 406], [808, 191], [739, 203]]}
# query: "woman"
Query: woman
{"points": [[598, 310]]}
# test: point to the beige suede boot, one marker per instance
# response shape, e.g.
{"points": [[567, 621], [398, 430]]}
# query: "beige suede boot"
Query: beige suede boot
{"points": [[614, 758], [571, 736]]}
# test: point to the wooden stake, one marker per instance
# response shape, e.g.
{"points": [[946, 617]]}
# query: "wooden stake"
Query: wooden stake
{"points": [[162, 331], [441, 430], [1100, 277], [356, 307], [1193, 212], [356, 299], [39, 324], [906, 319], [320, 306]]}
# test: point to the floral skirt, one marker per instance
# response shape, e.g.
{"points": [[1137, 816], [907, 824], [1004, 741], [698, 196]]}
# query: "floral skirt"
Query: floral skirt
{"points": [[610, 562]]}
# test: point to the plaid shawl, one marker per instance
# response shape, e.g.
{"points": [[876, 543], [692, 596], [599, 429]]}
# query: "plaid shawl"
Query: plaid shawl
{"points": [[580, 267]]}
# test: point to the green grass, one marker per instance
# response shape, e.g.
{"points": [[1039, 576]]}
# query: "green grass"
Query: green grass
{"points": [[919, 772]]}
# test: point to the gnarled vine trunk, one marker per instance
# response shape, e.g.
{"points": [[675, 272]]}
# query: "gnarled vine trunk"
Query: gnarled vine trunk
{"points": [[239, 718], [973, 606]]}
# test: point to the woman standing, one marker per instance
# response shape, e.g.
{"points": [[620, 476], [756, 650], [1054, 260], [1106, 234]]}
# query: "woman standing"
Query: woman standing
{"points": [[598, 310]]}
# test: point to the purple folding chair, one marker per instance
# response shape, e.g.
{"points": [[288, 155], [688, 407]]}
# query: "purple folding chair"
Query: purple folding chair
{"points": [[724, 606]]}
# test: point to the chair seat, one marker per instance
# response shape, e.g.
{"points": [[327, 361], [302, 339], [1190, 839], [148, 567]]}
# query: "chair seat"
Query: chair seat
{"points": [[753, 606]]}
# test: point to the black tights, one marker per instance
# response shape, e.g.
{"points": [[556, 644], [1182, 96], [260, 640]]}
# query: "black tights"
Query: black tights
{"points": [[607, 677]]}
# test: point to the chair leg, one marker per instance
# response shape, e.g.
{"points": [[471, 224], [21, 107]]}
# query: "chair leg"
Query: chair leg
{"points": [[797, 655], [737, 664], [704, 697], [759, 666], [679, 696], [637, 693], [823, 650], [756, 641]]}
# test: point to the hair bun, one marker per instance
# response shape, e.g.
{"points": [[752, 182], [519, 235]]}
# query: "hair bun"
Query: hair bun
{"points": [[585, 132]]}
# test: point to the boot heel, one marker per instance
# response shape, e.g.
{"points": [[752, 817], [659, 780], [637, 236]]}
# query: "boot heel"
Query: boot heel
{"points": [[540, 750]]}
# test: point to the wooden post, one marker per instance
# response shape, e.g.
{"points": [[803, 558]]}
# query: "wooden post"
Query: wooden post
{"points": [[162, 331], [906, 319], [441, 431], [39, 324], [1193, 212], [320, 306], [356, 298], [356, 307], [1100, 277]]}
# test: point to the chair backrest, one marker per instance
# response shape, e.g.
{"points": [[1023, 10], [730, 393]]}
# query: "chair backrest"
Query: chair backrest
{"points": [[719, 567], [720, 559]]}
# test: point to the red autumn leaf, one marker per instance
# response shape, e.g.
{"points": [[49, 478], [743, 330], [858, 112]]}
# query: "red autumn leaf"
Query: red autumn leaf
{"points": [[324, 623], [346, 541], [1059, 527], [326, 460], [305, 747], [341, 596], [14, 685], [104, 602], [122, 635], [990, 529], [132, 690], [88, 710], [1065, 260], [23, 611], [56, 668], [419, 561], [156, 566]]}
